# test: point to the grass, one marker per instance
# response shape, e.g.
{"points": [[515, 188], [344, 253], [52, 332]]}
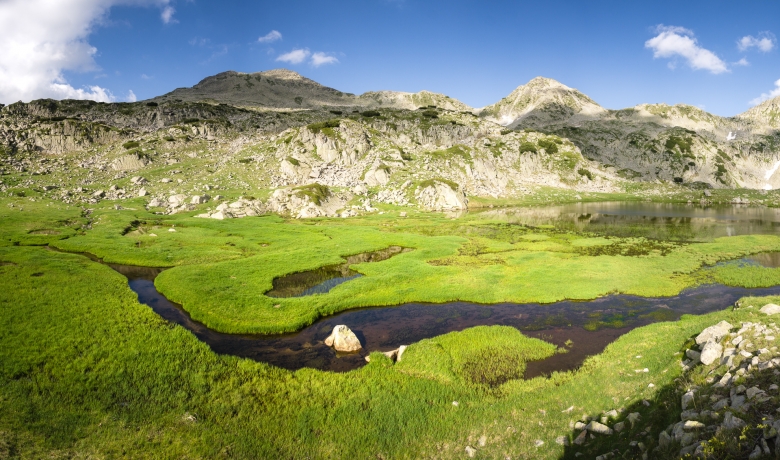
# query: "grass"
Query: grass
{"points": [[482, 356], [88, 372], [223, 268]]}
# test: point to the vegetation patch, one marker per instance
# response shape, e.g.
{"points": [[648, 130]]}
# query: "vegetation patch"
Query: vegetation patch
{"points": [[482, 356], [318, 127], [317, 193]]}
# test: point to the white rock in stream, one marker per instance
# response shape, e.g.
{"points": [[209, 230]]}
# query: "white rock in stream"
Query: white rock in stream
{"points": [[343, 339]]}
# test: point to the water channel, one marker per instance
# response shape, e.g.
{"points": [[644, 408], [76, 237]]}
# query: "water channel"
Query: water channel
{"points": [[590, 325]]}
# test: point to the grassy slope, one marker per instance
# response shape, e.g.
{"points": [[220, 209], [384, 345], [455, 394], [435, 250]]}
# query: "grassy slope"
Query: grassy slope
{"points": [[86, 370]]}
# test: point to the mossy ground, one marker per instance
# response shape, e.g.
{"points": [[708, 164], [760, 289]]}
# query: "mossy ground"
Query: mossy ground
{"points": [[85, 370]]}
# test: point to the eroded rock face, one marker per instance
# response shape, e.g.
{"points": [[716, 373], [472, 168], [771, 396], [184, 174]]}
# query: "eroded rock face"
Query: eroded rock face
{"points": [[343, 339], [440, 195]]}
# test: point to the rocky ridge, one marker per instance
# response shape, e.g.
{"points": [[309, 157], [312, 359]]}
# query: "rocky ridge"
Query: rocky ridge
{"points": [[401, 149]]}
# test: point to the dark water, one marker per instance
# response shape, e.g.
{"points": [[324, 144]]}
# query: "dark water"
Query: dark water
{"points": [[666, 221], [323, 279], [590, 326]]}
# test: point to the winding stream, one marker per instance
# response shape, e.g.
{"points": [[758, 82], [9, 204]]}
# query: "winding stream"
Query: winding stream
{"points": [[590, 326]]}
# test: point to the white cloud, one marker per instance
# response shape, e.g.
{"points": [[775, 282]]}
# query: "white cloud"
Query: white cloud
{"points": [[765, 42], [672, 42], [167, 15], [767, 96], [319, 58], [145, 77], [271, 36], [41, 39], [295, 56], [742, 62], [131, 96]]}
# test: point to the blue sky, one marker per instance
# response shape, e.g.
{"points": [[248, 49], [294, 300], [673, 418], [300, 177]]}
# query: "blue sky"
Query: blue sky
{"points": [[477, 52]]}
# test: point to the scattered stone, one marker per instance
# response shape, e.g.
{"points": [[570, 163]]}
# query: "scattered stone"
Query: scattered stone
{"points": [[633, 418], [200, 199], [562, 441], [600, 428], [693, 425], [687, 399], [711, 352], [400, 353], [470, 451], [730, 421], [770, 309], [483, 440], [714, 333]]}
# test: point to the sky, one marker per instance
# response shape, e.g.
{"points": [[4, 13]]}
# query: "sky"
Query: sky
{"points": [[715, 55]]}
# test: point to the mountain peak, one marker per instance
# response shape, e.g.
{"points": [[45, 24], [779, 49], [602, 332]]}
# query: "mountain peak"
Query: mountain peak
{"points": [[283, 74], [541, 98]]}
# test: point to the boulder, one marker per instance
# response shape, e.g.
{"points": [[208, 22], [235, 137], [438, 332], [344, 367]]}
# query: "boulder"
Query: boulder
{"points": [[220, 215], [770, 309], [177, 200], [142, 192], [711, 352], [343, 339], [439, 195], [200, 199], [714, 333]]}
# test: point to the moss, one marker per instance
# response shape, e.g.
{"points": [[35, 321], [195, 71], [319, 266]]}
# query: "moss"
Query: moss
{"points": [[433, 182], [131, 145], [293, 161]]}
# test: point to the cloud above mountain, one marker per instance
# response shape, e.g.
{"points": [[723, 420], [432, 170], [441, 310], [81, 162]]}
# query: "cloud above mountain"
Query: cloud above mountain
{"points": [[767, 96], [674, 42], [298, 56], [42, 39]]}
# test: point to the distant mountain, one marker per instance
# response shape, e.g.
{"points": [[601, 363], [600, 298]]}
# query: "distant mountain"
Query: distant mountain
{"points": [[540, 102], [282, 88]]}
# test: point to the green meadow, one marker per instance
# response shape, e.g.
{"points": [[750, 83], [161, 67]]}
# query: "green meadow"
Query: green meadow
{"points": [[88, 372]]}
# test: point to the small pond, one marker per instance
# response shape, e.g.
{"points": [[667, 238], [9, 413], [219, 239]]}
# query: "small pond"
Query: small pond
{"points": [[323, 279]]}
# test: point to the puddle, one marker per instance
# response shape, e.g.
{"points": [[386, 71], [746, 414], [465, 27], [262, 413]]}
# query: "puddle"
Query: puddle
{"points": [[590, 326], [323, 279]]}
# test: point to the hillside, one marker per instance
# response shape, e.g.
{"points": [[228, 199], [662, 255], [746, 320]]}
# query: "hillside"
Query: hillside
{"points": [[275, 133]]}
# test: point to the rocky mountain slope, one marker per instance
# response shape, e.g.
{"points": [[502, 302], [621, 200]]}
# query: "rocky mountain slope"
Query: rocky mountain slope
{"points": [[311, 150]]}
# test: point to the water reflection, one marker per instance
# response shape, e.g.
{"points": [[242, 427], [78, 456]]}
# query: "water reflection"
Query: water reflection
{"points": [[668, 221], [323, 279]]}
